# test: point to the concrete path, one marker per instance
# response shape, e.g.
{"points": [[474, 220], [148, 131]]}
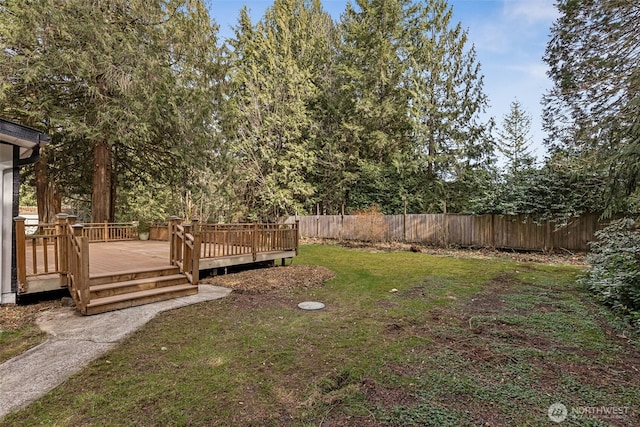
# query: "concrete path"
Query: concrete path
{"points": [[74, 341]]}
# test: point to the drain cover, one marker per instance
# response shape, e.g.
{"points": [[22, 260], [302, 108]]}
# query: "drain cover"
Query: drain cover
{"points": [[311, 305]]}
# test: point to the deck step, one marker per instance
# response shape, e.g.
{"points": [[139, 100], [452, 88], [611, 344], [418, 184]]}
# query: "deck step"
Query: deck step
{"points": [[123, 276], [116, 302], [128, 286]]}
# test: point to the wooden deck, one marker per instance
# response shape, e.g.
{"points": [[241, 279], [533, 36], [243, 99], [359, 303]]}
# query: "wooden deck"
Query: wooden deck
{"points": [[104, 269], [113, 257], [134, 255]]}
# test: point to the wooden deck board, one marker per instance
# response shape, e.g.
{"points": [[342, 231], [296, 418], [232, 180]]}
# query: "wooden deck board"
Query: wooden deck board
{"points": [[112, 257]]}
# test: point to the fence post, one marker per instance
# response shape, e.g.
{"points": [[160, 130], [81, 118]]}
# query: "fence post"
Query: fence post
{"points": [[404, 223], [493, 230], [106, 231], [341, 235], [297, 236]]}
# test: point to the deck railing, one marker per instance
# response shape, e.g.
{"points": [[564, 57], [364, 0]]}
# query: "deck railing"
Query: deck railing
{"points": [[106, 232], [62, 248], [224, 240], [184, 248], [77, 254], [45, 249], [42, 249]]}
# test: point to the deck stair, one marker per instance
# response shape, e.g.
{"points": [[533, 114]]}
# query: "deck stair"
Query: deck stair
{"points": [[109, 292]]}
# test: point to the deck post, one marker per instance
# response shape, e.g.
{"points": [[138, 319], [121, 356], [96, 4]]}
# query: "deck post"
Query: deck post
{"points": [[254, 242], [82, 272], [196, 231], [173, 250], [106, 231], [61, 232], [195, 259], [21, 253], [195, 225], [186, 256]]}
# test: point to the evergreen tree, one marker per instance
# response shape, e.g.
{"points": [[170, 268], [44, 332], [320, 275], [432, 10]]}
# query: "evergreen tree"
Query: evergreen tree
{"points": [[406, 99], [447, 98], [514, 139], [594, 105], [270, 123], [103, 80], [373, 96]]}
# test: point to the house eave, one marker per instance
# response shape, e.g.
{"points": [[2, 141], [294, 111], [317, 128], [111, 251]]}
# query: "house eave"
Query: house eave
{"points": [[28, 140]]}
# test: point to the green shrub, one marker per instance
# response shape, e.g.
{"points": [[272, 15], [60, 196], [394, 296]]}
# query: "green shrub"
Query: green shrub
{"points": [[614, 275], [143, 226]]}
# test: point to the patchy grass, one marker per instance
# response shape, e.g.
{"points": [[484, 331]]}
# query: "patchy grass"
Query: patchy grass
{"points": [[462, 342], [15, 342], [18, 329]]}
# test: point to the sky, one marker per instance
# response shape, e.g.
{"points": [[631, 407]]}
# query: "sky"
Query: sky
{"points": [[510, 37]]}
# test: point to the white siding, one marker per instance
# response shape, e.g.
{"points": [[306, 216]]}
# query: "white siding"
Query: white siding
{"points": [[6, 223]]}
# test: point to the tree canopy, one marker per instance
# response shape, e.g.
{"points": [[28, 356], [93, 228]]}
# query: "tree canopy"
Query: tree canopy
{"points": [[151, 114], [330, 116], [593, 109], [127, 84]]}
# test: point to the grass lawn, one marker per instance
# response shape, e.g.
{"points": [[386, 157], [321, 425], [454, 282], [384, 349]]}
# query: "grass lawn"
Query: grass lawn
{"points": [[18, 329], [473, 341]]}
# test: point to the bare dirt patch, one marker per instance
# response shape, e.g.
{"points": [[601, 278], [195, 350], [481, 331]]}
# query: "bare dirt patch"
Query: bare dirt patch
{"points": [[14, 317], [18, 329], [265, 280]]}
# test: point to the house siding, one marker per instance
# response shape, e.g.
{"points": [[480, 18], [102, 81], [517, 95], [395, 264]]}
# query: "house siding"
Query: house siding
{"points": [[7, 286]]}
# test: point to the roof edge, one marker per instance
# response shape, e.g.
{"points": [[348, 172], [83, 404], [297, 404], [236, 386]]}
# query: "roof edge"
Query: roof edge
{"points": [[28, 139]]}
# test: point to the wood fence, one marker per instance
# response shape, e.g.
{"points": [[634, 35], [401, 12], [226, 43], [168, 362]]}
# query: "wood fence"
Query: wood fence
{"points": [[494, 231]]}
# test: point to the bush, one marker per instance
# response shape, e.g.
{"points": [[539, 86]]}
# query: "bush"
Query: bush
{"points": [[614, 275], [370, 225]]}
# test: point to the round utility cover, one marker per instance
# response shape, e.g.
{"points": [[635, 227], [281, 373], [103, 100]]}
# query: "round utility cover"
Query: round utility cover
{"points": [[311, 305]]}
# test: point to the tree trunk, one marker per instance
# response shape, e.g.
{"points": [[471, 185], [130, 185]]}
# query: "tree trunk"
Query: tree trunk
{"points": [[101, 184], [114, 184], [48, 196]]}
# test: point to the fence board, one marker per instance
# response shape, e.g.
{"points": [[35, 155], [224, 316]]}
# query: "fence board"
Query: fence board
{"points": [[495, 231]]}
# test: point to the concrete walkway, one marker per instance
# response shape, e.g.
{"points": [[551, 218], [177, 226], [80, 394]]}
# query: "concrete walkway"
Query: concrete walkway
{"points": [[74, 341]]}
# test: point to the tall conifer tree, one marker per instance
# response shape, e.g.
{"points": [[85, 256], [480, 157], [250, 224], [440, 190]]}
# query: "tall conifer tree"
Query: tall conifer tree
{"points": [[373, 97], [270, 123], [102, 78], [447, 99], [593, 108], [514, 139]]}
